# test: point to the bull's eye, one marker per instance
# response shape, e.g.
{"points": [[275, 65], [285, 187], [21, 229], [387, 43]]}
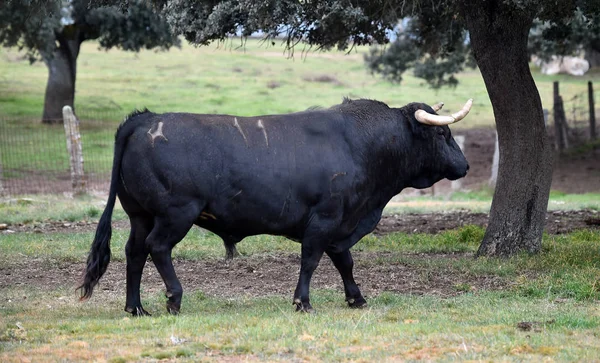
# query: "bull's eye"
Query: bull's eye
{"points": [[440, 131]]}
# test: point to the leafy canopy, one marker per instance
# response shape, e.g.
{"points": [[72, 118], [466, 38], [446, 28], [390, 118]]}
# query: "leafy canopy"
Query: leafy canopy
{"points": [[36, 26], [433, 42]]}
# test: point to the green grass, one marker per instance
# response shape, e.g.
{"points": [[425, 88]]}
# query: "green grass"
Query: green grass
{"points": [[557, 290], [480, 201], [37, 209], [468, 327]]}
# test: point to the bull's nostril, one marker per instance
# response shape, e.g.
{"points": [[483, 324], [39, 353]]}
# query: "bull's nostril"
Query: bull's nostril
{"points": [[468, 167]]}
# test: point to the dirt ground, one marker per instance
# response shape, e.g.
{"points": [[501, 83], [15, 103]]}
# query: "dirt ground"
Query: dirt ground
{"points": [[577, 172], [276, 274]]}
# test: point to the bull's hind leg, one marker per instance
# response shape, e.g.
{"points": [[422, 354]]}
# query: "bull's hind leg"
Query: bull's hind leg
{"points": [[344, 264], [136, 253], [312, 251], [230, 250], [167, 232]]}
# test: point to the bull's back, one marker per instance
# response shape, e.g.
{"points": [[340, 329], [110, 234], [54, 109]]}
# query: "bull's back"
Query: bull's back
{"points": [[255, 175]]}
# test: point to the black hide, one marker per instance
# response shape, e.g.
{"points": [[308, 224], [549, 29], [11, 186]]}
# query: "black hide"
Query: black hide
{"points": [[321, 177]]}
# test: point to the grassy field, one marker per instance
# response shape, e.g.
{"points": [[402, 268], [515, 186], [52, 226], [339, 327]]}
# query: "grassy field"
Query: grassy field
{"points": [[254, 79], [539, 308], [36, 209]]}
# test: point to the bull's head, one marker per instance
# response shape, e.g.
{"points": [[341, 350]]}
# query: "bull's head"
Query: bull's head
{"points": [[445, 158]]}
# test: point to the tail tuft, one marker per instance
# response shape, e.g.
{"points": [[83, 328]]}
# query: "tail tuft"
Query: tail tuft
{"points": [[99, 257]]}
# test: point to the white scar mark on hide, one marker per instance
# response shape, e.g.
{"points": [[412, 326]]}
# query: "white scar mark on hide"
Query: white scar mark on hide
{"points": [[237, 126], [262, 127], [206, 215], [157, 133], [236, 194]]}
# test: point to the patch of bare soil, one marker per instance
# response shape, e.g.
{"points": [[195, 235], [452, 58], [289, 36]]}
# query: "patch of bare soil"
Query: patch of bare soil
{"points": [[557, 222], [260, 275]]}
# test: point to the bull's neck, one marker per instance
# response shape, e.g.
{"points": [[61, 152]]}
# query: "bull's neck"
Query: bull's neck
{"points": [[390, 158]]}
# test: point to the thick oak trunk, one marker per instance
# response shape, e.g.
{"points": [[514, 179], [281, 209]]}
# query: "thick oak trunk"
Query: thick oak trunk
{"points": [[60, 89], [592, 55], [499, 41]]}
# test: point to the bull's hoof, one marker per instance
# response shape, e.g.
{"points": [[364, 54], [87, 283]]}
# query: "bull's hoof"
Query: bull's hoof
{"points": [[358, 303], [304, 307], [137, 311], [173, 308]]}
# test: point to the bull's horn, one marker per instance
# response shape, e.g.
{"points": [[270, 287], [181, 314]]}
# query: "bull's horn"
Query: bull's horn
{"points": [[438, 106], [427, 118]]}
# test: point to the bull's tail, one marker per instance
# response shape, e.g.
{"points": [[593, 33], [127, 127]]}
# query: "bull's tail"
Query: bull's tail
{"points": [[99, 256]]}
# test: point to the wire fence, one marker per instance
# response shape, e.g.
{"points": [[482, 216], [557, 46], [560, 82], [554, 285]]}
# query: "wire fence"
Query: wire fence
{"points": [[577, 116], [34, 156]]}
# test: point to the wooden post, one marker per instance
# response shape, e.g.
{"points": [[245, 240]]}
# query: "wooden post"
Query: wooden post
{"points": [[495, 163], [1, 178], [592, 111], [457, 184], [559, 113], [563, 124], [74, 149]]}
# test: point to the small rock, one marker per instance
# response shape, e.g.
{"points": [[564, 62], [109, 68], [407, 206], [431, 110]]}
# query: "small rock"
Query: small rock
{"points": [[525, 326]]}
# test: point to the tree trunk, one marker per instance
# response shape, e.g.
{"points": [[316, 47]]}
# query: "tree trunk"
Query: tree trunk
{"points": [[592, 54], [499, 41], [60, 89]]}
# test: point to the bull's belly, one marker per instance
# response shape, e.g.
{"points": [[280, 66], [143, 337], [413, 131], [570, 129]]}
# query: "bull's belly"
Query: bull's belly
{"points": [[247, 219]]}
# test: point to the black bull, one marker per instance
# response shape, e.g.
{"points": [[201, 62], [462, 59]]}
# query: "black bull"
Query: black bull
{"points": [[321, 177]]}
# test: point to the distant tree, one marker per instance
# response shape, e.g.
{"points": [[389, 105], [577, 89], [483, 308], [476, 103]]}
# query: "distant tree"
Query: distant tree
{"points": [[498, 36], [54, 30], [576, 35]]}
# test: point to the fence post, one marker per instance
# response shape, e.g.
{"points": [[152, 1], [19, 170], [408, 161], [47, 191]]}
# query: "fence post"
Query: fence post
{"points": [[74, 149], [460, 140], [1, 177], [559, 120], [495, 163], [592, 111]]}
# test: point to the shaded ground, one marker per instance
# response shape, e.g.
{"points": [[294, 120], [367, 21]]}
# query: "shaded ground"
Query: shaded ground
{"points": [[557, 222]]}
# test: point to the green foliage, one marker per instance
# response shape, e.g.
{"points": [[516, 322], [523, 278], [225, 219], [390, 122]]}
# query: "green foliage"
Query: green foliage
{"points": [[567, 36], [325, 24], [40, 27], [437, 50], [437, 60], [30, 25]]}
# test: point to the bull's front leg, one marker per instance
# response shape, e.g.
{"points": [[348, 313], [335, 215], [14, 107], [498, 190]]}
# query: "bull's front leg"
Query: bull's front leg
{"points": [[312, 251]]}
